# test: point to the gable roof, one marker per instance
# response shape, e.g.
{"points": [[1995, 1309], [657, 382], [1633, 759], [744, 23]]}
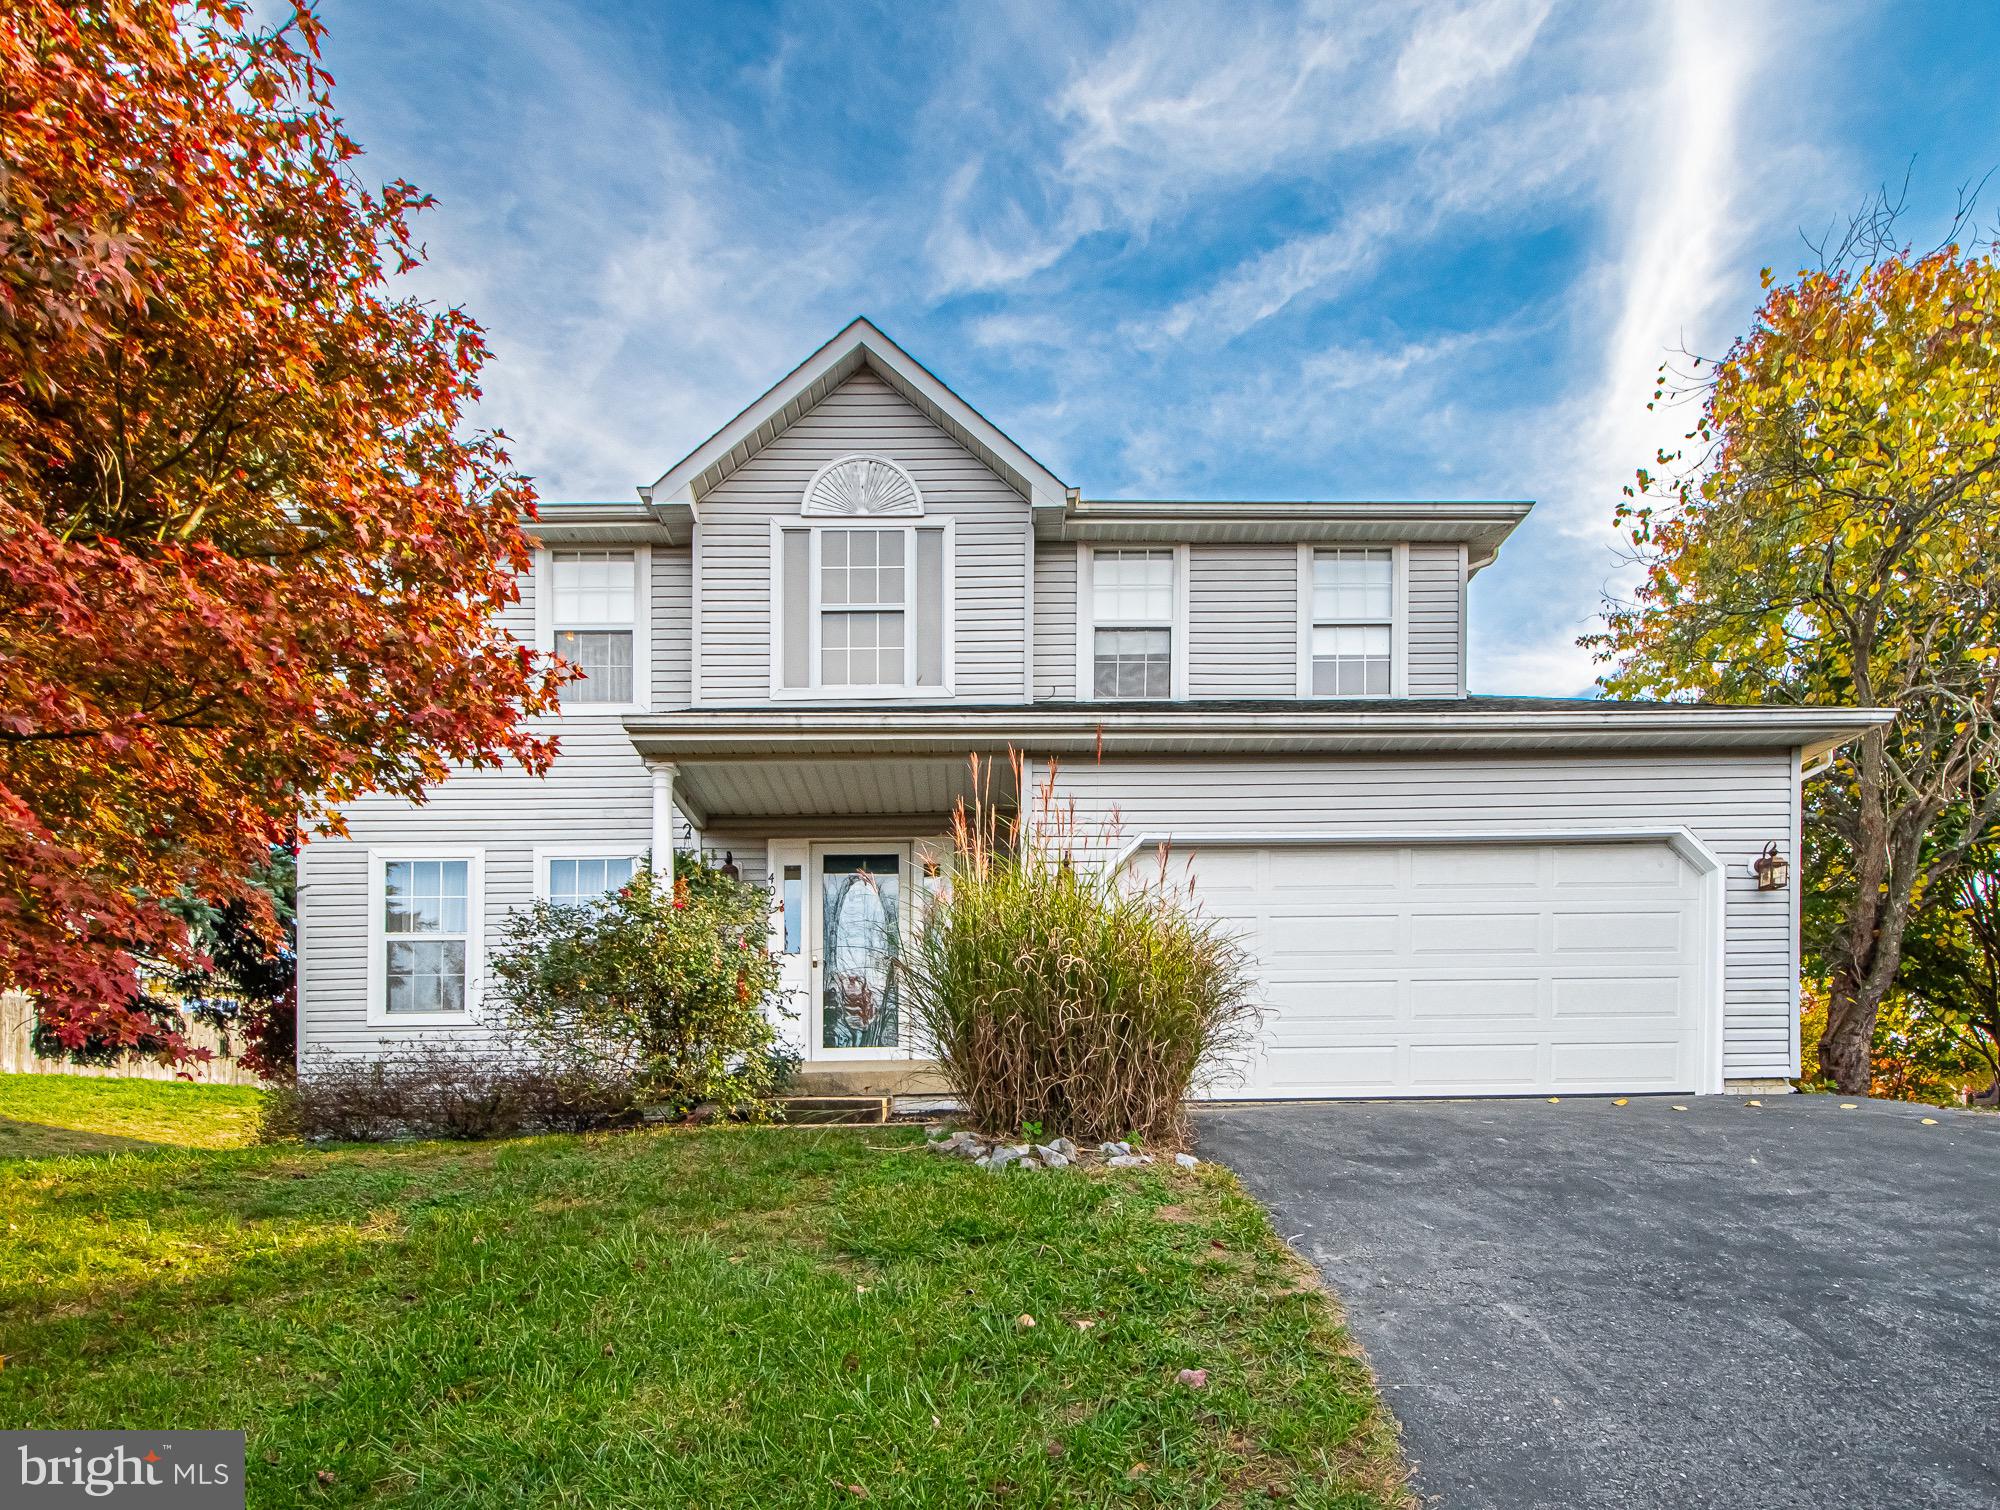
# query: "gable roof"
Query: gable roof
{"points": [[861, 344]]}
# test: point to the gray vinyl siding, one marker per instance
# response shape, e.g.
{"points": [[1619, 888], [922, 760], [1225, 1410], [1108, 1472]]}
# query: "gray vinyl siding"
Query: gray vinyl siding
{"points": [[1055, 622], [597, 792], [673, 627], [990, 542], [1734, 804], [1243, 621], [1436, 607]]}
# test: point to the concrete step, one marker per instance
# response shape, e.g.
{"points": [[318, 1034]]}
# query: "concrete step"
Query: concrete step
{"points": [[849, 1111], [869, 1077]]}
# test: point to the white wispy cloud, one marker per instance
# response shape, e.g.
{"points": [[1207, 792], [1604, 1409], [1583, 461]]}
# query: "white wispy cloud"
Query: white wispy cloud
{"points": [[634, 296], [1455, 52], [1198, 99], [1504, 169], [1689, 192]]}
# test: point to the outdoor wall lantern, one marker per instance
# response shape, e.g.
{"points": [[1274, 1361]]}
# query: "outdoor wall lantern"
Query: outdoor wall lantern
{"points": [[1774, 871]]}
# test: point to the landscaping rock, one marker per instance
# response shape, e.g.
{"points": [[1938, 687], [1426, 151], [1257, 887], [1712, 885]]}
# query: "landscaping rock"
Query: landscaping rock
{"points": [[1128, 1160], [1031, 1163], [1114, 1150], [1186, 1160], [1064, 1147]]}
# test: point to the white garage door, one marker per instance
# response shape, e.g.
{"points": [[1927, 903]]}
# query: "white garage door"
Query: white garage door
{"points": [[1456, 970]]}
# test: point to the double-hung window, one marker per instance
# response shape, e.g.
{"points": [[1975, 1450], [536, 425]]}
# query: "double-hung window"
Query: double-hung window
{"points": [[594, 620], [425, 935], [1353, 631], [1132, 614], [863, 608]]}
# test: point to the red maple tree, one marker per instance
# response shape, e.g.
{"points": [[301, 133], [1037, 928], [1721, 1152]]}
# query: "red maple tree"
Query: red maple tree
{"points": [[248, 548]]}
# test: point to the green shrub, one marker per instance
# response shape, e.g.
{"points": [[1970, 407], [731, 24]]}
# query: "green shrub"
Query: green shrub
{"points": [[670, 987], [1053, 993]]}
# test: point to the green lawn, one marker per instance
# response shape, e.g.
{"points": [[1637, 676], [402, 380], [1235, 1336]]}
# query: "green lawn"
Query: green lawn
{"points": [[44, 1115], [681, 1318]]}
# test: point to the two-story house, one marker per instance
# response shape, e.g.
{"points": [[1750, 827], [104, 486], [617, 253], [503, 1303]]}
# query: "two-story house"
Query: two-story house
{"points": [[796, 638]]}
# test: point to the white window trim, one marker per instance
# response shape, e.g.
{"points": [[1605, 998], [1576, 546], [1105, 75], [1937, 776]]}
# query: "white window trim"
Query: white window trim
{"points": [[1399, 622], [816, 691], [544, 853], [642, 624], [1086, 624], [379, 1015]]}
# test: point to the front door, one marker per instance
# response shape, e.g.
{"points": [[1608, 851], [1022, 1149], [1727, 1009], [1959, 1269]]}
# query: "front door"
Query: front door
{"points": [[857, 931]]}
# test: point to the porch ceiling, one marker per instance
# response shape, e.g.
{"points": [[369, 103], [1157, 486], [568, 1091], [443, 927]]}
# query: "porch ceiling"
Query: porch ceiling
{"points": [[718, 792]]}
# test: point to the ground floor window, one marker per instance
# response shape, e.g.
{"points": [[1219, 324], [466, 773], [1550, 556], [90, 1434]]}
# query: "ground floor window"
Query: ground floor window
{"points": [[570, 880], [426, 915]]}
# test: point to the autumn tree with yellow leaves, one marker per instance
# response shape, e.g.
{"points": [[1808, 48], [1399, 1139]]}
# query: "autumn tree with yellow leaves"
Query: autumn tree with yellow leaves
{"points": [[1829, 536]]}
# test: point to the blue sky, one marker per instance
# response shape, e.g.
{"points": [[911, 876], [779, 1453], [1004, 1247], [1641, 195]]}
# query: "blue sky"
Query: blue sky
{"points": [[1347, 250]]}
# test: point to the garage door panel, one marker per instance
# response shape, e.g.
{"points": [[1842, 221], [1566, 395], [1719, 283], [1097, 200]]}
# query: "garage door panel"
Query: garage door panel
{"points": [[1467, 969], [1475, 865], [1474, 932], [1475, 999], [1634, 1064], [1449, 1065], [1620, 996], [1294, 935], [1311, 1071], [1299, 1007], [1627, 867], [1317, 870], [1631, 931]]}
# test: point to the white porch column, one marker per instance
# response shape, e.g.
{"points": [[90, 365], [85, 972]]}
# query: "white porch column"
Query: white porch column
{"points": [[663, 820]]}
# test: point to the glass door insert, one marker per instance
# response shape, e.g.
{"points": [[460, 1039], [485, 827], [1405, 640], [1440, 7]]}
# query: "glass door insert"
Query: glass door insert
{"points": [[860, 923]]}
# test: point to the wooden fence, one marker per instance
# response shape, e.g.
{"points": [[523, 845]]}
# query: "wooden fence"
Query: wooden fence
{"points": [[18, 1057]]}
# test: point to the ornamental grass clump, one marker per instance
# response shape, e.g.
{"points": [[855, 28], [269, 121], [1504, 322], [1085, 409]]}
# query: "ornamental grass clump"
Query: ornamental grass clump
{"points": [[1051, 991]]}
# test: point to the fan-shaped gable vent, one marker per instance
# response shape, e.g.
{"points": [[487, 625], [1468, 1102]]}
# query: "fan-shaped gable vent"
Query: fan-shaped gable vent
{"points": [[851, 485]]}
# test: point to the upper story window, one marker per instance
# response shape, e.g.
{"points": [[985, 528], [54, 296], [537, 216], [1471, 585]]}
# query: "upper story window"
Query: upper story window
{"points": [[864, 608], [591, 611], [861, 600], [594, 612], [1353, 627], [1134, 622], [861, 611]]}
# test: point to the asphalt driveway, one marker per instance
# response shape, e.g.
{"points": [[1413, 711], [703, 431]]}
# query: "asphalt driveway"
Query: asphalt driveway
{"points": [[1588, 1304]]}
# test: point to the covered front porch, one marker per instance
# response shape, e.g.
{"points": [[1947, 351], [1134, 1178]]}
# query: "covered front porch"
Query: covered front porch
{"points": [[847, 844]]}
